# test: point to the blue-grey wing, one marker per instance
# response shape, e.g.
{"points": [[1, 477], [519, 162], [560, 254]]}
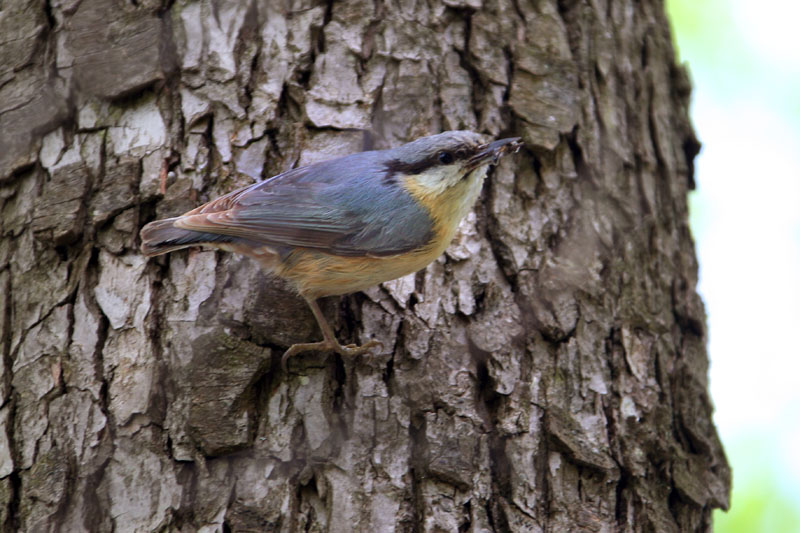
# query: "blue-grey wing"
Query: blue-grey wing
{"points": [[347, 206]]}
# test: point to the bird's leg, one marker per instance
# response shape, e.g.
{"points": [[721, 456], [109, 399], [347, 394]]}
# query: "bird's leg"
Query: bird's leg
{"points": [[329, 342]]}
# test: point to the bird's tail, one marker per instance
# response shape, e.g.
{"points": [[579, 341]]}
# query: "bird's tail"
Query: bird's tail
{"points": [[162, 236]]}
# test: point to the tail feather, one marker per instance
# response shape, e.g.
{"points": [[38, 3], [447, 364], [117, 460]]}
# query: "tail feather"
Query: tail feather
{"points": [[162, 236]]}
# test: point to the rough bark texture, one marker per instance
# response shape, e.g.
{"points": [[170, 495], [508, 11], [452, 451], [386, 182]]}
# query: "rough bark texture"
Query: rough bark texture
{"points": [[547, 374]]}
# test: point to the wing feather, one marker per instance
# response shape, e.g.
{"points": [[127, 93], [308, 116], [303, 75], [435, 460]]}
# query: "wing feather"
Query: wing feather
{"points": [[342, 207]]}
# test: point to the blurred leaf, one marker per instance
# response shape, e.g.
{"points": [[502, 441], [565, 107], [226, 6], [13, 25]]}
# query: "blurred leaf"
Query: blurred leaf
{"points": [[760, 501], [743, 63]]}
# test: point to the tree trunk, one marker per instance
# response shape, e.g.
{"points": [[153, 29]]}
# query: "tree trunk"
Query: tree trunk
{"points": [[548, 373]]}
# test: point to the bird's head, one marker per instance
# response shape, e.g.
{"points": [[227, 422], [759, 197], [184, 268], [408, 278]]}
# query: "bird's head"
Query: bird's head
{"points": [[451, 159], [444, 173]]}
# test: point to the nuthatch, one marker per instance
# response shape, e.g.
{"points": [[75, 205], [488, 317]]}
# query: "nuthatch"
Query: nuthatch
{"points": [[346, 224]]}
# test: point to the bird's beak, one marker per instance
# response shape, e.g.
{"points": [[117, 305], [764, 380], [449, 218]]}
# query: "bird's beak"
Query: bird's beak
{"points": [[494, 151]]}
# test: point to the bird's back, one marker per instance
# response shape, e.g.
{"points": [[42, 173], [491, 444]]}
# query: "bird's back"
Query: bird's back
{"points": [[345, 207]]}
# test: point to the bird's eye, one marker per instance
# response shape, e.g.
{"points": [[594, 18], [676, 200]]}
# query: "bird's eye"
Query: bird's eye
{"points": [[445, 158]]}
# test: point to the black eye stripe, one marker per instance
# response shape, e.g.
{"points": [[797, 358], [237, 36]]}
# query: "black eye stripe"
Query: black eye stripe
{"points": [[417, 167], [402, 167]]}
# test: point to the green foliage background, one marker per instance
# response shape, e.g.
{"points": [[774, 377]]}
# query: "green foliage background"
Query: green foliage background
{"points": [[745, 63]]}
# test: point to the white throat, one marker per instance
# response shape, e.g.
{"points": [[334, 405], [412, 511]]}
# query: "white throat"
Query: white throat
{"points": [[474, 183], [440, 178]]}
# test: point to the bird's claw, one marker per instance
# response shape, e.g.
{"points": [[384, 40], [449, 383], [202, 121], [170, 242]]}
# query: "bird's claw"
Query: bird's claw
{"points": [[350, 350], [354, 349]]}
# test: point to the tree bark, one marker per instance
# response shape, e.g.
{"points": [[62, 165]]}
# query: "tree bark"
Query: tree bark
{"points": [[548, 373]]}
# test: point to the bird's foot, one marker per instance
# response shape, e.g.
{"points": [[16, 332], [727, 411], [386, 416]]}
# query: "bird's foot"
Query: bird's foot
{"points": [[350, 350], [353, 349]]}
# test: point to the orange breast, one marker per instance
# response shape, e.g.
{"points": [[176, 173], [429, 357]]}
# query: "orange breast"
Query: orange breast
{"points": [[449, 206], [317, 274]]}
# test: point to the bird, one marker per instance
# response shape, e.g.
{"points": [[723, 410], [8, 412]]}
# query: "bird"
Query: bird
{"points": [[343, 225]]}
